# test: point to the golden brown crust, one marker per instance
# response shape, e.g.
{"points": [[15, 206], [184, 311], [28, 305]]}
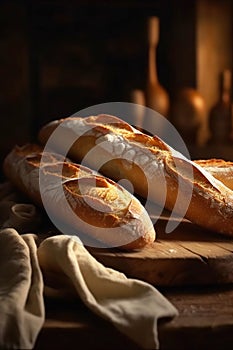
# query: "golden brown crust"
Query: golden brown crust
{"points": [[220, 169], [98, 203], [147, 161]]}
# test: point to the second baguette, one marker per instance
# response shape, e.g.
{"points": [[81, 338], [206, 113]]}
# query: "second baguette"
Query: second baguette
{"points": [[145, 161], [86, 203], [220, 169]]}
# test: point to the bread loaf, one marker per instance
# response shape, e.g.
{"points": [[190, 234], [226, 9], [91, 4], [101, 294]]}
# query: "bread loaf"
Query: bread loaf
{"points": [[85, 201], [220, 169], [115, 148]]}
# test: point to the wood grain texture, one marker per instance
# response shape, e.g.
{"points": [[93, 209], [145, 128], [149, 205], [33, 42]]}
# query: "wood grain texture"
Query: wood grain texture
{"points": [[205, 322], [188, 256]]}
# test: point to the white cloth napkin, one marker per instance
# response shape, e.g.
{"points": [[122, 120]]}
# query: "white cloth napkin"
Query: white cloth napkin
{"points": [[24, 217], [21, 291], [133, 306]]}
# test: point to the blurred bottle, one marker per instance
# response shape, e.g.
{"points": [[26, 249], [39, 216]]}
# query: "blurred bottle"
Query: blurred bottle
{"points": [[189, 116], [220, 123], [156, 96], [231, 135], [138, 98]]}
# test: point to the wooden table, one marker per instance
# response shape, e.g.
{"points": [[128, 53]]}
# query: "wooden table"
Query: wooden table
{"points": [[205, 321], [205, 318]]}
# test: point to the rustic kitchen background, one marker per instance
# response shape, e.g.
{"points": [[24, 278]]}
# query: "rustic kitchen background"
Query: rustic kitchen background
{"points": [[57, 57]]}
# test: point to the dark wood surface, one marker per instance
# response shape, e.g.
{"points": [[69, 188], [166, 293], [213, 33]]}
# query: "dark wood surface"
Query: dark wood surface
{"points": [[205, 318], [205, 321], [190, 255]]}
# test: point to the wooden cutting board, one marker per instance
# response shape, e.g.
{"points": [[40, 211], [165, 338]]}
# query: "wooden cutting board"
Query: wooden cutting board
{"points": [[190, 255]]}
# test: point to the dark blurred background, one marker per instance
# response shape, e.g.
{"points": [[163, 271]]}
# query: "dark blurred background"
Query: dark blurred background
{"points": [[57, 57]]}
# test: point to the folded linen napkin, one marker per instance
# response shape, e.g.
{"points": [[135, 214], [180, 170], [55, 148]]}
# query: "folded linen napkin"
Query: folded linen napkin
{"points": [[133, 306], [21, 291], [24, 217]]}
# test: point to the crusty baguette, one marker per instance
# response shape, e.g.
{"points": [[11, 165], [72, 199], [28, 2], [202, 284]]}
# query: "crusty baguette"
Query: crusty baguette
{"points": [[154, 168], [97, 207], [219, 168]]}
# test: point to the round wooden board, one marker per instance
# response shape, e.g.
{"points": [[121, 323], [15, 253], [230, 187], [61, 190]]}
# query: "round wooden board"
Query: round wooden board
{"points": [[190, 255]]}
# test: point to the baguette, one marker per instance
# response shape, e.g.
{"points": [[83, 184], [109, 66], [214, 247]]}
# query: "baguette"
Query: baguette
{"points": [[220, 169], [113, 147], [97, 207]]}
